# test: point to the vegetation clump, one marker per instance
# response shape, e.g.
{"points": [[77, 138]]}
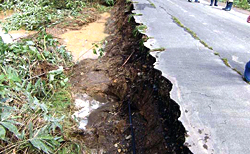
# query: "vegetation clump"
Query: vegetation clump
{"points": [[32, 14], [244, 4], [34, 97]]}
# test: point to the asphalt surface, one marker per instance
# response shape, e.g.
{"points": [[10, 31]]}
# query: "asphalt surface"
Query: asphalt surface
{"points": [[213, 98]]}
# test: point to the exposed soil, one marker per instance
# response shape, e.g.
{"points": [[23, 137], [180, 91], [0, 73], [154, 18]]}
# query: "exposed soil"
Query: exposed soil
{"points": [[80, 42], [126, 74], [88, 15]]}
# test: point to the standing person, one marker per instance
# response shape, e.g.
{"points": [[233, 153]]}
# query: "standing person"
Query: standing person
{"points": [[247, 67], [215, 3], [229, 5]]}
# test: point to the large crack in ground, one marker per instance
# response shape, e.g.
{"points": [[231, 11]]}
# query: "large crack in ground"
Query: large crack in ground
{"points": [[126, 74]]}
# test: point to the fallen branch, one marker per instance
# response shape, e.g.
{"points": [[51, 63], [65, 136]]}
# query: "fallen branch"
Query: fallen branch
{"points": [[128, 58]]}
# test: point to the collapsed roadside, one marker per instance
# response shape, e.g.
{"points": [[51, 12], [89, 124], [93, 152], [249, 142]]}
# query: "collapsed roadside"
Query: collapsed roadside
{"points": [[124, 75], [128, 76]]}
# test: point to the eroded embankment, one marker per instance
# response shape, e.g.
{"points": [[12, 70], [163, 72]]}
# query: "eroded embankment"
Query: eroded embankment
{"points": [[126, 74]]}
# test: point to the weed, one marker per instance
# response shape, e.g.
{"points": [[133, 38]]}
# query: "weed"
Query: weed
{"points": [[193, 34], [225, 62], [101, 8], [110, 2], [31, 15], [34, 96], [178, 22], [99, 48], [139, 29], [158, 49], [217, 53], [237, 71], [151, 3], [132, 15], [205, 44]]}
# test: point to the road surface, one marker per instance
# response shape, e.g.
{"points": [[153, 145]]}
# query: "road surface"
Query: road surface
{"points": [[213, 98]]}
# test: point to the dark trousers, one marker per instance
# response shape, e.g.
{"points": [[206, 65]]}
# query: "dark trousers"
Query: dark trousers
{"points": [[215, 2]]}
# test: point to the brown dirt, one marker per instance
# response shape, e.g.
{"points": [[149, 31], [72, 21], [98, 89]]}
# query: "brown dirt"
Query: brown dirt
{"points": [[88, 15], [126, 74]]}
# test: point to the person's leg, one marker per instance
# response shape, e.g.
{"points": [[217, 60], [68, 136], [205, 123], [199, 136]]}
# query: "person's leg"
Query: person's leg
{"points": [[248, 19], [196, 1], [230, 4], [215, 3], [247, 72], [226, 6], [212, 1]]}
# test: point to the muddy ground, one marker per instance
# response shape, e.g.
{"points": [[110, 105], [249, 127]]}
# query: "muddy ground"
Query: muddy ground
{"points": [[126, 74]]}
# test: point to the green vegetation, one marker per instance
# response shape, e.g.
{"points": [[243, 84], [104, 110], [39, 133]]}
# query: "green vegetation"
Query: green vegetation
{"points": [[237, 71], [139, 29], [132, 15], [34, 97], [32, 14], [98, 48], [225, 62], [151, 3], [193, 34], [158, 49], [244, 4], [217, 53], [110, 2]]}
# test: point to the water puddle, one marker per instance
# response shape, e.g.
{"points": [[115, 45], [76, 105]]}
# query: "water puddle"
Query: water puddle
{"points": [[80, 42], [84, 105], [11, 36]]}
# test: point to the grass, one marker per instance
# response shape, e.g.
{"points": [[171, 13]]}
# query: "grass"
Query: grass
{"points": [[35, 97], [132, 15], [237, 71], [225, 62], [158, 49], [217, 53], [139, 29], [151, 3], [35, 100], [243, 4], [193, 34], [34, 14]]}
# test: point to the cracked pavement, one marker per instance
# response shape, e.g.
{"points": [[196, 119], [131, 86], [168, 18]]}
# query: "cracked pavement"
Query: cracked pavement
{"points": [[214, 100]]}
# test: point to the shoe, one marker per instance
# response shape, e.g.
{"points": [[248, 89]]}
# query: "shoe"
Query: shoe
{"points": [[225, 7], [246, 75], [197, 1], [211, 5], [230, 4], [215, 3], [189, 0]]}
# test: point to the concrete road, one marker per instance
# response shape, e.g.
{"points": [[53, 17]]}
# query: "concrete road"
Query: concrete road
{"points": [[214, 100]]}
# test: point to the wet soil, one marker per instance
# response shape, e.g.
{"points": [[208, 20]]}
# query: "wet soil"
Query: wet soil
{"points": [[80, 42], [88, 15], [126, 75]]}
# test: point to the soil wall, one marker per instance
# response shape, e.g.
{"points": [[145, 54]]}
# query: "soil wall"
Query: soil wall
{"points": [[128, 75]]}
